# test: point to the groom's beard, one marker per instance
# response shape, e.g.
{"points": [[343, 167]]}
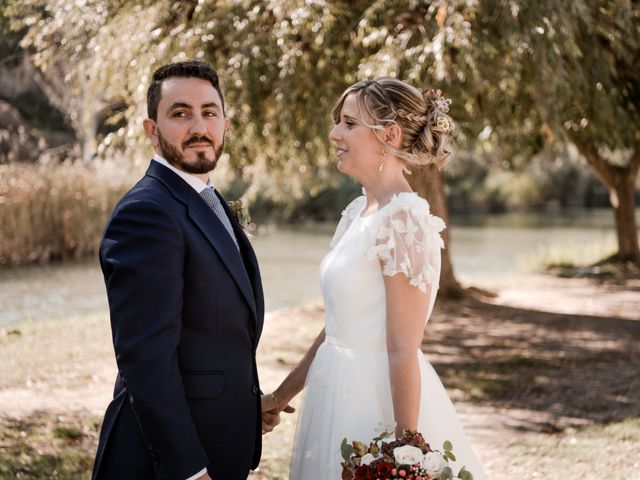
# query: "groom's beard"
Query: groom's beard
{"points": [[201, 164]]}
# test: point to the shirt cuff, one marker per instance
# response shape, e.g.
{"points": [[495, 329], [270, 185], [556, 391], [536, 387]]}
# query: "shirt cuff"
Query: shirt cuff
{"points": [[198, 475]]}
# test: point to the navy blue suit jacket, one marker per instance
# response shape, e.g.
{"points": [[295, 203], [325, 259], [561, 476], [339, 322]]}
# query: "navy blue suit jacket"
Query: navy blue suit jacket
{"points": [[186, 314]]}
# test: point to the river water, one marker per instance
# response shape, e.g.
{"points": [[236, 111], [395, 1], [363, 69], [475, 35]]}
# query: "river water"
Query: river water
{"points": [[483, 245]]}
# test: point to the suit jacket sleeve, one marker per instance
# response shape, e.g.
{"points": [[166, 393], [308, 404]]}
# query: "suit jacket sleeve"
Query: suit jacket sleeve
{"points": [[142, 256]]}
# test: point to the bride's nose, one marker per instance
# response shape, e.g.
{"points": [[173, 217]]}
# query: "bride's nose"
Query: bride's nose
{"points": [[333, 134]]}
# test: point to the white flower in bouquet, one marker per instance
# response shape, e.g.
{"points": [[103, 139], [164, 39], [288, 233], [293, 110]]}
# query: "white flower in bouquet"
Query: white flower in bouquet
{"points": [[434, 463], [367, 459], [407, 455]]}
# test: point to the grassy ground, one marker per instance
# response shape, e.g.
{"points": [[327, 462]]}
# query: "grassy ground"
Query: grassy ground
{"points": [[45, 445], [545, 377]]}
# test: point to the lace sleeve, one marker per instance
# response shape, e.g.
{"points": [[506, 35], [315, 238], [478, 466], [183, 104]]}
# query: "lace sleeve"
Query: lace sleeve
{"points": [[348, 215], [409, 242]]}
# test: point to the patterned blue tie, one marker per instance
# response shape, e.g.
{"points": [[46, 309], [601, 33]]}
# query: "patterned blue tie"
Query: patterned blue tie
{"points": [[211, 199]]}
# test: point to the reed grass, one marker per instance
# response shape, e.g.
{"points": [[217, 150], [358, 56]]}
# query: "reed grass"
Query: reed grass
{"points": [[57, 211], [570, 255]]}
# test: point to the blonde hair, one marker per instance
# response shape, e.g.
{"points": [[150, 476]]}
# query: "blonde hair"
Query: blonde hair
{"points": [[422, 117]]}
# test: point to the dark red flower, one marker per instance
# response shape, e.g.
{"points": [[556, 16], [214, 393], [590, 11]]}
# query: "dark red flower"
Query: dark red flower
{"points": [[364, 472], [383, 469]]}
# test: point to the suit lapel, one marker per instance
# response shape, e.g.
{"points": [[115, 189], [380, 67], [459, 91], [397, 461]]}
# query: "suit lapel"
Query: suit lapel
{"points": [[221, 241], [251, 264], [207, 221]]}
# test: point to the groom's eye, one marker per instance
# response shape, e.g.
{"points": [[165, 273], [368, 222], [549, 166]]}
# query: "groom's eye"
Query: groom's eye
{"points": [[179, 114]]}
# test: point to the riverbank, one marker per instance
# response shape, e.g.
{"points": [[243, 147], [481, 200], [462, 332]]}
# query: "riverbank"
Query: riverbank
{"points": [[544, 376]]}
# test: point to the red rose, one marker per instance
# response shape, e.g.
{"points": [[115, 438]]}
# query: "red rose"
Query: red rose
{"points": [[363, 472], [383, 469]]}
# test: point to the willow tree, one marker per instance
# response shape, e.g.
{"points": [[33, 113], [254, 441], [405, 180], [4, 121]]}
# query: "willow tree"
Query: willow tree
{"points": [[283, 64], [521, 74], [578, 81]]}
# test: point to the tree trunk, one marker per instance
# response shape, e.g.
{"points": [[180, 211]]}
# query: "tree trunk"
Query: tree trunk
{"points": [[620, 182], [625, 214], [427, 182]]}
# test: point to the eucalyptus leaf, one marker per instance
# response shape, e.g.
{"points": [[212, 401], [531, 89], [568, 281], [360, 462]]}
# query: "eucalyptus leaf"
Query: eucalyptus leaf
{"points": [[346, 449], [464, 474], [449, 455], [383, 435], [447, 445], [446, 474]]}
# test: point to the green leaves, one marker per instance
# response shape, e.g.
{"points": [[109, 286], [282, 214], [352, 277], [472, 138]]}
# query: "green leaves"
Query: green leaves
{"points": [[447, 473], [448, 454], [346, 450], [464, 474], [383, 435]]}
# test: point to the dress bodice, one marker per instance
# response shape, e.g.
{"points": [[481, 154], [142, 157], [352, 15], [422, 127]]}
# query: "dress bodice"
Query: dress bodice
{"points": [[402, 237]]}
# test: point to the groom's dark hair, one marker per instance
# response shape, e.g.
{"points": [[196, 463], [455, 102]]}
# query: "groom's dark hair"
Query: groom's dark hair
{"points": [[186, 69]]}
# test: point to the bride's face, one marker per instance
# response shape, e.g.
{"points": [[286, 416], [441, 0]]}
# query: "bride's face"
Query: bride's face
{"points": [[359, 151]]}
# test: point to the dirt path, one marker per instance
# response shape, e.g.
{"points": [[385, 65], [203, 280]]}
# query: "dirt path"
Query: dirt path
{"points": [[543, 358]]}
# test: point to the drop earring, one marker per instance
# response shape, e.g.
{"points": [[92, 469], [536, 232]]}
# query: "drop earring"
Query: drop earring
{"points": [[384, 154]]}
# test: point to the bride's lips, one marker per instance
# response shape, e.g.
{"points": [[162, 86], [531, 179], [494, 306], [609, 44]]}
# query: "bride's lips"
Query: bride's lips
{"points": [[340, 151]]}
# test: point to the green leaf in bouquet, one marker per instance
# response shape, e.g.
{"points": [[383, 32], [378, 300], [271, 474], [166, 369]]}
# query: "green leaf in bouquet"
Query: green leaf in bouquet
{"points": [[383, 435], [448, 454], [465, 474], [447, 445], [447, 474], [346, 449]]}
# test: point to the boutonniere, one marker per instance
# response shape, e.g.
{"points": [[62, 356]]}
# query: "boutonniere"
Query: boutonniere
{"points": [[240, 212]]}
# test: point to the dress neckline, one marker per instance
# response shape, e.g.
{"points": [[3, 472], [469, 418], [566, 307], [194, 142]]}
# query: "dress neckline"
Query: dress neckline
{"points": [[394, 197]]}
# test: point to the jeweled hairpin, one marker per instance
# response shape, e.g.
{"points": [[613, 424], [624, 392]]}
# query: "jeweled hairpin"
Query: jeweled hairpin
{"points": [[442, 103], [443, 123]]}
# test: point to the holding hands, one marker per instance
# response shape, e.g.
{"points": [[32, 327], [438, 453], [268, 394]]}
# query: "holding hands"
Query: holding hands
{"points": [[272, 406], [274, 403]]}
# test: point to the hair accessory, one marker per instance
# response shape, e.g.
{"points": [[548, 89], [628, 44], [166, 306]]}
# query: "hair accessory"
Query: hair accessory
{"points": [[442, 103], [443, 123]]}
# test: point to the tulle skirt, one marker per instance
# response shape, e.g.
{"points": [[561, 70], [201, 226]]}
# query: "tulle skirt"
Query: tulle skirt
{"points": [[348, 395]]}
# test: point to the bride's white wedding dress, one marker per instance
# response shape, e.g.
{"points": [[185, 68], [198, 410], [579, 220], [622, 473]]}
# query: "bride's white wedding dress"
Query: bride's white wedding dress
{"points": [[347, 390]]}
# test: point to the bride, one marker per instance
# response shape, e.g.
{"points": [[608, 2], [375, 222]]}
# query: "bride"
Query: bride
{"points": [[365, 370]]}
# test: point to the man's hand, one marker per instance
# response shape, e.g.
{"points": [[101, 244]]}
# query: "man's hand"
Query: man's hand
{"points": [[271, 409], [270, 421]]}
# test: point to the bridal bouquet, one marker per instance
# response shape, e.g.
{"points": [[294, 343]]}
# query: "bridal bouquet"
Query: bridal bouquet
{"points": [[409, 458]]}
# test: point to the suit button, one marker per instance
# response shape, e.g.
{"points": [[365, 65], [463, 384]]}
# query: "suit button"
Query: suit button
{"points": [[255, 390], [155, 456]]}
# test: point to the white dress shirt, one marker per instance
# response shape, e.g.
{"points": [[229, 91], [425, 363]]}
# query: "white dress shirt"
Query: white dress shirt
{"points": [[195, 182]]}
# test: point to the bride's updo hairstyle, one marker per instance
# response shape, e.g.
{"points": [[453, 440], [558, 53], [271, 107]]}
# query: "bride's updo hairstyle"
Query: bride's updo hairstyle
{"points": [[422, 117]]}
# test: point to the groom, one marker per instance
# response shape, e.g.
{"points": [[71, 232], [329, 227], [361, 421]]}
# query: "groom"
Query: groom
{"points": [[185, 301]]}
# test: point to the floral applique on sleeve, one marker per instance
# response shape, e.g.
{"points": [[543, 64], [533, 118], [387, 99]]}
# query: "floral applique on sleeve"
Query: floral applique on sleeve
{"points": [[409, 242]]}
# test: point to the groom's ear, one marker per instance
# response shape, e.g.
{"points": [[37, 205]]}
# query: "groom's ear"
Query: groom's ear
{"points": [[151, 129]]}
